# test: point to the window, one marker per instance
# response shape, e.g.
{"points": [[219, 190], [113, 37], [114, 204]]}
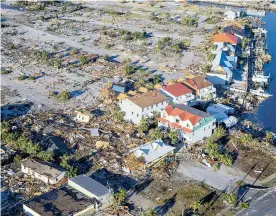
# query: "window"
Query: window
{"points": [[177, 120], [137, 115], [151, 106], [142, 109], [82, 118], [132, 113], [187, 125]]}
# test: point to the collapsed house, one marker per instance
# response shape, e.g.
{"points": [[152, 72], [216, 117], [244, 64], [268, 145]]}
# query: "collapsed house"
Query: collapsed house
{"points": [[62, 201], [82, 196], [44, 171], [192, 125], [152, 152]]}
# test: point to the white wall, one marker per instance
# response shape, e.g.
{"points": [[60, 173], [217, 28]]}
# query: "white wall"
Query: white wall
{"points": [[105, 199], [135, 113], [43, 178], [29, 211], [217, 78]]}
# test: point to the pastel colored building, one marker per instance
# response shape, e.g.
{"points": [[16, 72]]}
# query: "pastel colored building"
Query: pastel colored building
{"points": [[191, 124]]}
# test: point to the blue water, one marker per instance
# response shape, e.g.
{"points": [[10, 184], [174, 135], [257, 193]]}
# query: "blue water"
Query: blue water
{"points": [[266, 113]]}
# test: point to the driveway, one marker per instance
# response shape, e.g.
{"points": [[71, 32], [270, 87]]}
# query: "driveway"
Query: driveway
{"points": [[220, 179]]}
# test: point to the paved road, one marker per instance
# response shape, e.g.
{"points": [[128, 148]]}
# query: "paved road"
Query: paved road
{"points": [[218, 179], [265, 205]]}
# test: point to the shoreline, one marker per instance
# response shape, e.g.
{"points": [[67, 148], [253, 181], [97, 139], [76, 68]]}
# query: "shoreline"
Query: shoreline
{"points": [[251, 5]]}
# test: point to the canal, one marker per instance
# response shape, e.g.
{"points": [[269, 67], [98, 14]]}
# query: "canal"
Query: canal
{"points": [[265, 114]]}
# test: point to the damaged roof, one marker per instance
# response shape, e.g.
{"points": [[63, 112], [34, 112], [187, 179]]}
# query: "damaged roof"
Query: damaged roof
{"points": [[43, 168], [148, 98], [198, 83], [63, 202]]}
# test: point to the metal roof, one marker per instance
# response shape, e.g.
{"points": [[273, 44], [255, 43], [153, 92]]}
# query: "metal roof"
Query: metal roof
{"points": [[118, 88], [90, 185]]}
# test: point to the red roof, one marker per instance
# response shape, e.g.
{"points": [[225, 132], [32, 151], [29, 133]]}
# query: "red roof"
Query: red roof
{"points": [[226, 37], [187, 130], [173, 124], [182, 114], [177, 89], [163, 120]]}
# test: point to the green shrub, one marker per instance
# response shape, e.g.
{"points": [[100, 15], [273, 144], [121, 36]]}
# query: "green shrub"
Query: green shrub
{"points": [[190, 21], [5, 71], [22, 77], [64, 95]]}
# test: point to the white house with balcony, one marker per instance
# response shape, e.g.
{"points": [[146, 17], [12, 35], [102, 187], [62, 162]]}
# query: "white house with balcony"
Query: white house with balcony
{"points": [[202, 88], [191, 124], [143, 105], [179, 94], [44, 171]]}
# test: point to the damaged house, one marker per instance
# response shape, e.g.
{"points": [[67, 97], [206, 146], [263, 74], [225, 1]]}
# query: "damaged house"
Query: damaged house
{"points": [[44, 171], [152, 152]]}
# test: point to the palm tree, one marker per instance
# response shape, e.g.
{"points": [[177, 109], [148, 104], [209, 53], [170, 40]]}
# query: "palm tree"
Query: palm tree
{"points": [[196, 205], [46, 156], [72, 172], [245, 138], [156, 134], [173, 136], [144, 125], [120, 197]]}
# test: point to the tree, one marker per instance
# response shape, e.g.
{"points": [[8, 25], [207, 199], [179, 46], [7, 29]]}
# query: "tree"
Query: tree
{"points": [[156, 134], [231, 198], [120, 197], [226, 159], [244, 205], [218, 132], [150, 212], [129, 69], [269, 136], [245, 139], [64, 161], [46, 156], [106, 57], [83, 59], [156, 79], [126, 61], [64, 95], [17, 158], [196, 205], [117, 115], [173, 136], [244, 42], [57, 63], [72, 172], [144, 125]]}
